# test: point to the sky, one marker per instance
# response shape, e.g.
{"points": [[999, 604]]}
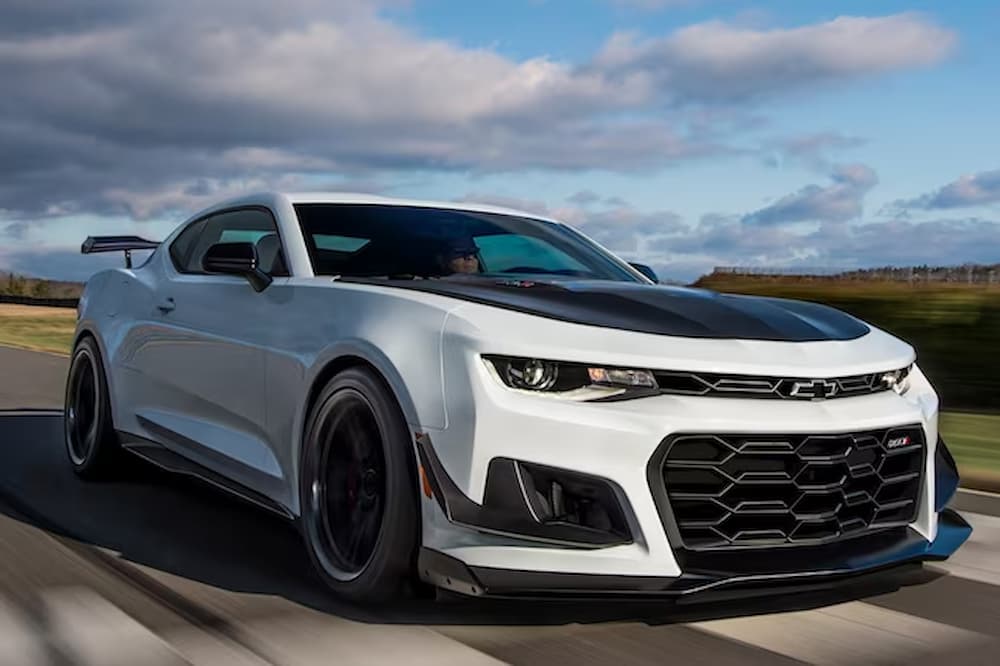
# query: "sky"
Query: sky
{"points": [[682, 133]]}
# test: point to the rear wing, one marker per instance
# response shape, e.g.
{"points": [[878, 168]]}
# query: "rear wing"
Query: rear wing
{"points": [[117, 244]]}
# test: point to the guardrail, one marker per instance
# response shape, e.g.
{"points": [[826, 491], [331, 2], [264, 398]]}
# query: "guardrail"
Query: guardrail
{"points": [[32, 300]]}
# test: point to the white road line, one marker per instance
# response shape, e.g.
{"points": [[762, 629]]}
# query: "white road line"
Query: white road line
{"points": [[981, 493], [850, 633], [979, 558], [91, 630], [20, 642]]}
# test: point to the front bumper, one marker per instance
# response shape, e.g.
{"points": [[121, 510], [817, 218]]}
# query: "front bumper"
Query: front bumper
{"points": [[881, 553], [470, 548]]}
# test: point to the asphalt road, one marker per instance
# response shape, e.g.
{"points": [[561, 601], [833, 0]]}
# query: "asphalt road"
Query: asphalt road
{"points": [[155, 569], [31, 380]]}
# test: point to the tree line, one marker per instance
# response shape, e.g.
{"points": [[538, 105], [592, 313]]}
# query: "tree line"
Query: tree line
{"points": [[15, 284], [968, 273], [19, 285]]}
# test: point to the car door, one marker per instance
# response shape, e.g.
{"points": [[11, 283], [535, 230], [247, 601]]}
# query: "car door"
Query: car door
{"points": [[204, 353]]}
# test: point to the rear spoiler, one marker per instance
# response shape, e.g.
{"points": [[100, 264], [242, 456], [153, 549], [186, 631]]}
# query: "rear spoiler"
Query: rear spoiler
{"points": [[117, 244]]}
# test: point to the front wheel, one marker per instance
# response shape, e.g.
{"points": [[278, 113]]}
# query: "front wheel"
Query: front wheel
{"points": [[358, 490], [91, 442]]}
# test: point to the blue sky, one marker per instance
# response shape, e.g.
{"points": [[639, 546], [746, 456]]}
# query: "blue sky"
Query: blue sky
{"points": [[684, 133]]}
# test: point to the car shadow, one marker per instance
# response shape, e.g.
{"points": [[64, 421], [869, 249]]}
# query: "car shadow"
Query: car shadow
{"points": [[182, 527]]}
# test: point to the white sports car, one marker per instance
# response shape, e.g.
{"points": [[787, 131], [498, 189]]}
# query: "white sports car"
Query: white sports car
{"points": [[490, 402]]}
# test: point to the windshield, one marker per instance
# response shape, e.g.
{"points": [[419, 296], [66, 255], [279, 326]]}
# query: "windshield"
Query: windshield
{"points": [[371, 240]]}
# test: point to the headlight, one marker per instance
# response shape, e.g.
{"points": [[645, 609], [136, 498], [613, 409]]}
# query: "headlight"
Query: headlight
{"points": [[897, 380], [531, 374], [571, 381]]}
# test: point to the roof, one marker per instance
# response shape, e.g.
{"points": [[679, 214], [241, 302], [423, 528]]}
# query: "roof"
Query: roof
{"points": [[355, 198], [284, 198]]}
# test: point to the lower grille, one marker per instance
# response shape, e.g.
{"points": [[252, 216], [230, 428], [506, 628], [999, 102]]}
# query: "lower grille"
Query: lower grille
{"points": [[758, 490]]}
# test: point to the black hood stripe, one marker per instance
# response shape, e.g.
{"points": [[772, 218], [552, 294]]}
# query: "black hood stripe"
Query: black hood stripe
{"points": [[642, 308]]}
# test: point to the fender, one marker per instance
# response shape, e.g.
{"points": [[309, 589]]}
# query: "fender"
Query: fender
{"points": [[86, 327], [367, 352]]}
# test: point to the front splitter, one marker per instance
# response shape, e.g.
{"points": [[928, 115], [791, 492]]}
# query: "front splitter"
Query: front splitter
{"points": [[451, 574]]}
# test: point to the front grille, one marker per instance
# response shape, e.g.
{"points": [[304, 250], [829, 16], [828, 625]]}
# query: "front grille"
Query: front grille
{"points": [[757, 490], [780, 388]]}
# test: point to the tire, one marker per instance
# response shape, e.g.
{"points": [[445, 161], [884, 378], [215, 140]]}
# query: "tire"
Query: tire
{"points": [[358, 491], [91, 443]]}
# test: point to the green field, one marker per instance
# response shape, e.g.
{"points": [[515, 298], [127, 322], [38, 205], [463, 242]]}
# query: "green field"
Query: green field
{"points": [[974, 440], [37, 328]]}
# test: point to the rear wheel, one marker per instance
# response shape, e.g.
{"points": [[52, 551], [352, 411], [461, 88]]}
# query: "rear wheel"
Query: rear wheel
{"points": [[358, 489], [91, 442]]}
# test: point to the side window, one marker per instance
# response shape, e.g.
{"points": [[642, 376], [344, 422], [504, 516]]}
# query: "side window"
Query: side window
{"points": [[181, 248], [250, 225]]}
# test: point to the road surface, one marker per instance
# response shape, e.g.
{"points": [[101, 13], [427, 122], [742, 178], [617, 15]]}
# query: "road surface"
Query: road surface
{"points": [[161, 570]]}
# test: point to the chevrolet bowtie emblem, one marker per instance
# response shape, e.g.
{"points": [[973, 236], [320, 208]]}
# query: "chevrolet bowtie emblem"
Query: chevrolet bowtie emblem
{"points": [[816, 389]]}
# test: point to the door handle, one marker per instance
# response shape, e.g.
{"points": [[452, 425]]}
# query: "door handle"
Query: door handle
{"points": [[166, 305]]}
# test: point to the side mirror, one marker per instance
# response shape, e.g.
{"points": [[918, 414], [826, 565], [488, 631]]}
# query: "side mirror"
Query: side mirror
{"points": [[645, 270], [236, 259]]}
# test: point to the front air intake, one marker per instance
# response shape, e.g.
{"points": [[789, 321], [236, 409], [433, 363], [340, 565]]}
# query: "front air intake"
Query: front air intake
{"points": [[733, 490]]}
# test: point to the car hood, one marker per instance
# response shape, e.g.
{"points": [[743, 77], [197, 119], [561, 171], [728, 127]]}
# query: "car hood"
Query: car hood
{"points": [[646, 308]]}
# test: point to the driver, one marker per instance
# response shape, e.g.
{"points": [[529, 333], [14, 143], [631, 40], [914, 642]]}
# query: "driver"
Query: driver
{"points": [[459, 255]]}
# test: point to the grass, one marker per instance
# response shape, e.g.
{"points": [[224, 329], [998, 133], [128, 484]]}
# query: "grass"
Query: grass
{"points": [[974, 440], [37, 328], [804, 285]]}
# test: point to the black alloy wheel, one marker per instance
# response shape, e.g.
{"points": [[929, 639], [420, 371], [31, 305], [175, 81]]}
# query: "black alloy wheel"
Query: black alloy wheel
{"points": [[360, 508], [351, 484], [91, 443]]}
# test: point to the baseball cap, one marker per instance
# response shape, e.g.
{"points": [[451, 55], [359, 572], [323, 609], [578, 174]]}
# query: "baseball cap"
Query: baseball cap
{"points": [[460, 246]]}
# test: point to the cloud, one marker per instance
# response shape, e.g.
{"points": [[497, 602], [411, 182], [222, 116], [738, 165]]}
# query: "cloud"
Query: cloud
{"points": [[16, 230], [720, 61], [902, 243], [810, 149], [811, 145], [969, 190], [839, 201], [115, 106], [724, 240], [627, 231], [681, 250], [31, 17], [584, 198], [530, 206]]}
